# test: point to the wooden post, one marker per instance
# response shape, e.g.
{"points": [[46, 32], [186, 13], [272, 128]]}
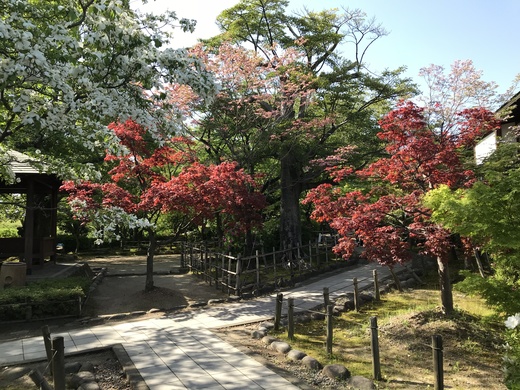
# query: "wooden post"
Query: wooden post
{"points": [[183, 254], [257, 273], [229, 275], [237, 285], [290, 319], [374, 345], [38, 379], [356, 294], [437, 362], [217, 262], [58, 363], [396, 279], [326, 253], [274, 264], [329, 330], [278, 311], [326, 299], [46, 333], [377, 294], [310, 254], [318, 254]]}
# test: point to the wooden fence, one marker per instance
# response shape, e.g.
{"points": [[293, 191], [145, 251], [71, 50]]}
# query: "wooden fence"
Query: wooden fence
{"points": [[259, 273]]}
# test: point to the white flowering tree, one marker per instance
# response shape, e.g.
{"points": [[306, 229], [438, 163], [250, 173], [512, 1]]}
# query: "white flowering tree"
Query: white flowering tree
{"points": [[70, 67]]}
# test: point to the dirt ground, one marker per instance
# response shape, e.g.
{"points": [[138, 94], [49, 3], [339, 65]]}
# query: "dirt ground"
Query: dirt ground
{"points": [[122, 289]]}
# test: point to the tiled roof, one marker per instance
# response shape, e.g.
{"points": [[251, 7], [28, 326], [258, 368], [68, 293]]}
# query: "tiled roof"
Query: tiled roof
{"points": [[21, 163]]}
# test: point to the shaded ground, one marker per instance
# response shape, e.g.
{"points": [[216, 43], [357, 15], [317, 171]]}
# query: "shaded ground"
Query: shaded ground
{"points": [[122, 289]]}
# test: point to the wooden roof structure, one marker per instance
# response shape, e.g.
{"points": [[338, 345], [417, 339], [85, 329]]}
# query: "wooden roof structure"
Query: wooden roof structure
{"points": [[38, 240]]}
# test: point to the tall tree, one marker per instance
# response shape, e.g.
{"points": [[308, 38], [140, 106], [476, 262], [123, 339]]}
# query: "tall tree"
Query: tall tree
{"points": [[386, 211], [295, 99], [69, 68], [150, 179]]}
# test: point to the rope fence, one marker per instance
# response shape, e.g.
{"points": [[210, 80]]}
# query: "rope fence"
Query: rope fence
{"points": [[436, 346]]}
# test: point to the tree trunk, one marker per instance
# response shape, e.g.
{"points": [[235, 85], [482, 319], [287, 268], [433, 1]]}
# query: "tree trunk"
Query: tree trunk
{"points": [[152, 243], [290, 228], [445, 283]]}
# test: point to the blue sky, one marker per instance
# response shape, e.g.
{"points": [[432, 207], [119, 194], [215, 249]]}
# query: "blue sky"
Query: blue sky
{"points": [[420, 32]]}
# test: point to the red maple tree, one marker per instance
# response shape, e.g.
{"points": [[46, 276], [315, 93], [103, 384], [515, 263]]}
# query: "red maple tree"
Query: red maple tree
{"points": [[385, 211], [148, 179]]}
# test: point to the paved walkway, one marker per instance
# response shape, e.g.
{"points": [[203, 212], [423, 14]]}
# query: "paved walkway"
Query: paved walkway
{"points": [[179, 351]]}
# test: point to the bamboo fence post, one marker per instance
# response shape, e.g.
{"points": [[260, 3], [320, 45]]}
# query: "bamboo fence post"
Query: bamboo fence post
{"points": [[58, 363], [229, 275], [437, 362], [257, 273], [46, 333], [274, 265], [329, 330], [290, 319], [310, 254], [326, 299], [374, 346], [38, 379], [278, 311], [356, 294], [318, 254], [238, 270]]}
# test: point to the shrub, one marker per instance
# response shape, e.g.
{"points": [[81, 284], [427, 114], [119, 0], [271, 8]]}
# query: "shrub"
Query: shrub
{"points": [[48, 298]]}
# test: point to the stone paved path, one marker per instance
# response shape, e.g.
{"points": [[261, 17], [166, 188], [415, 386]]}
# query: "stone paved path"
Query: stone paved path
{"points": [[179, 351]]}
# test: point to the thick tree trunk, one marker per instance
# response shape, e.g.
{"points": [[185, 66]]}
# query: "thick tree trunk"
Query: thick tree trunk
{"points": [[290, 228], [445, 283], [152, 243]]}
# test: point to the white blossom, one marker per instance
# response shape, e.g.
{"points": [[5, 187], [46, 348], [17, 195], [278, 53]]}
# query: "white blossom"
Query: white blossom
{"points": [[513, 321]]}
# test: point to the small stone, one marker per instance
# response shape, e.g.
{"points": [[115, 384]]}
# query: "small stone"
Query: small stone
{"points": [[258, 334], [73, 381], [215, 301], [72, 367], [311, 363], [89, 386], [267, 325], [361, 383], [280, 346], [336, 371], [86, 376], [268, 340], [296, 355], [87, 366]]}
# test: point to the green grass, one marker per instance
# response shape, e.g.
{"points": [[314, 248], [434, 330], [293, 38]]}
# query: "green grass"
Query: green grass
{"points": [[406, 323]]}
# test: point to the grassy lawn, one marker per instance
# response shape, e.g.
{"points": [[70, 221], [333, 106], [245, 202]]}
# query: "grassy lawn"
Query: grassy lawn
{"points": [[407, 321]]}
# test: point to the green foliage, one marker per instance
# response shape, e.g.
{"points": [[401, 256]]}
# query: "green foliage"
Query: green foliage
{"points": [[489, 214], [504, 297], [48, 298], [9, 229], [512, 353]]}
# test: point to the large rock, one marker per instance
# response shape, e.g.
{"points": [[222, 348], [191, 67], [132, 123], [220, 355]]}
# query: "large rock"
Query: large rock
{"points": [[258, 334], [361, 383], [336, 371], [268, 340], [311, 363], [296, 355], [280, 346]]}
